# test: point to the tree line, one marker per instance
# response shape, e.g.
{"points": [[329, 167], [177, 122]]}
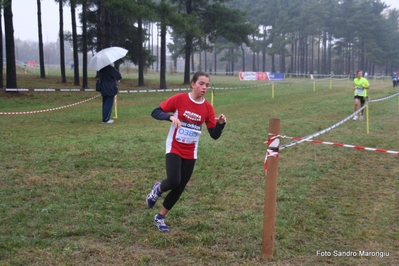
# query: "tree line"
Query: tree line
{"points": [[298, 36]]}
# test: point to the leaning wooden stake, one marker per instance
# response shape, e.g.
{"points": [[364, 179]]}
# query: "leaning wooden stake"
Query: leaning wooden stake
{"points": [[116, 106], [271, 192]]}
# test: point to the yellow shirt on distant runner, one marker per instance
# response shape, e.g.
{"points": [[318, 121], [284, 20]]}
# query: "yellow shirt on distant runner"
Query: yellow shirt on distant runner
{"points": [[360, 85]]}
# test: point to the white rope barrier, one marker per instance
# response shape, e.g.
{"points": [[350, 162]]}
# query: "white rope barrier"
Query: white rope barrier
{"points": [[47, 110]]}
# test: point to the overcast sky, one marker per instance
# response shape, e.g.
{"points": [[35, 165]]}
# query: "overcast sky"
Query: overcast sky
{"points": [[25, 19]]}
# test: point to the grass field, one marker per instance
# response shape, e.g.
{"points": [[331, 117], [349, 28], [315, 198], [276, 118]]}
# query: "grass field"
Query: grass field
{"points": [[73, 189]]}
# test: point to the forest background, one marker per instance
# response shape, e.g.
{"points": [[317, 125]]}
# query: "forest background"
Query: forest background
{"points": [[302, 37]]}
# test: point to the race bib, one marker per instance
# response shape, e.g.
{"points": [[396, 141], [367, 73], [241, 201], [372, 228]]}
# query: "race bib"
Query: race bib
{"points": [[359, 91], [187, 135]]}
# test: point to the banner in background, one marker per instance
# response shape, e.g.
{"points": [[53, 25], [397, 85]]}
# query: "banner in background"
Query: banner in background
{"points": [[260, 76]]}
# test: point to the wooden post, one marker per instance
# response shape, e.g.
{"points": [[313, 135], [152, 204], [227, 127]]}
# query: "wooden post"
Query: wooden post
{"points": [[116, 106], [270, 193], [367, 119], [272, 90]]}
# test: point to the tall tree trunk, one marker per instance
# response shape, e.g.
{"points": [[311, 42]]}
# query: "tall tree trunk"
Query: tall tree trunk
{"points": [[205, 61], [243, 58], [1, 50], [329, 66], [253, 55], [62, 48], [104, 28], [324, 56], [273, 63], [151, 44], [291, 68], [373, 69], [282, 62], [386, 68], [311, 64], [75, 44], [306, 55], [39, 27], [10, 46], [100, 27], [162, 74], [200, 61], [84, 43], [264, 50], [215, 62], [296, 56], [192, 60], [142, 64], [157, 68], [232, 61], [318, 54], [362, 64], [346, 58], [188, 47], [301, 49], [187, 57]]}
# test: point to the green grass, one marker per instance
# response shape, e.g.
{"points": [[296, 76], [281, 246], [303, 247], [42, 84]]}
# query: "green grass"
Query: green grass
{"points": [[73, 190]]}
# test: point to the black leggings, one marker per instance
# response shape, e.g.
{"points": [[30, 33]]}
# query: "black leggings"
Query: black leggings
{"points": [[178, 173]]}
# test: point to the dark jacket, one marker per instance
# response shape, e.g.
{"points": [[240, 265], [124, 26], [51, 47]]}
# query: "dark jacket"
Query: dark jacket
{"points": [[109, 76]]}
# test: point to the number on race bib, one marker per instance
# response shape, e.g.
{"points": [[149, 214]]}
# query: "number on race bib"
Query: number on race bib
{"points": [[186, 135]]}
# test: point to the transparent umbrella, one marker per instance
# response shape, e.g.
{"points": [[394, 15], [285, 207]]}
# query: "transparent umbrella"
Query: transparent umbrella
{"points": [[106, 56]]}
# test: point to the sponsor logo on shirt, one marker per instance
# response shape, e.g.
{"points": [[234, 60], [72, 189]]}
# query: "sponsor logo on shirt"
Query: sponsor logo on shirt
{"points": [[192, 116], [190, 125]]}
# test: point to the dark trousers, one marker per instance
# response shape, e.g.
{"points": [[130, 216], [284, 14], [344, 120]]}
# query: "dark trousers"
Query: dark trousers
{"points": [[108, 102], [178, 172]]}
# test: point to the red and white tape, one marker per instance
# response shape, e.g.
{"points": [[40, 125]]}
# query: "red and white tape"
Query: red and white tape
{"points": [[273, 152], [47, 110], [273, 143], [342, 145]]}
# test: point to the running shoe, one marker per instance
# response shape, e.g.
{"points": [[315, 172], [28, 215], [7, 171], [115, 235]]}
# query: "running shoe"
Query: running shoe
{"points": [[159, 222], [153, 196]]}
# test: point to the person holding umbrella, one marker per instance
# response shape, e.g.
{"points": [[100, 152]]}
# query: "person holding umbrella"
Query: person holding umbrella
{"points": [[109, 76]]}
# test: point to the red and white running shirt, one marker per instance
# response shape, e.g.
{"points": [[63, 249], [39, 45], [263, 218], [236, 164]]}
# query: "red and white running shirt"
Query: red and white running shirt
{"points": [[192, 114]]}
